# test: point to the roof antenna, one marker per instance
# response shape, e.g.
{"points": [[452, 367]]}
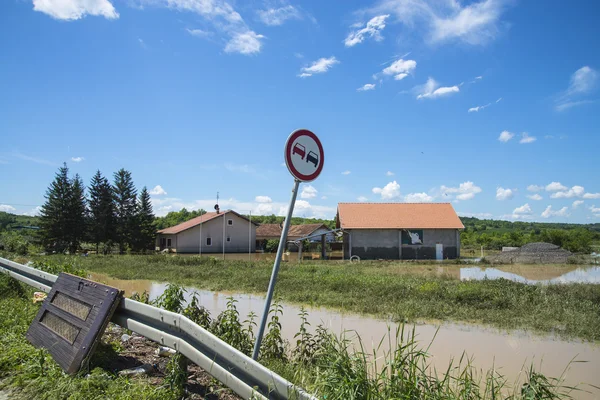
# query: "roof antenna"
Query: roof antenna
{"points": [[217, 205]]}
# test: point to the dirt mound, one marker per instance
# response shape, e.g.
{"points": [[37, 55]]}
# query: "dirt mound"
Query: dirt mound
{"points": [[533, 253]]}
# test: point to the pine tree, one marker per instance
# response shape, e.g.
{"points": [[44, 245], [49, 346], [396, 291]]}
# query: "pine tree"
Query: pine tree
{"points": [[125, 201], [102, 210], [77, 214], [54, 215], [146, 231]]}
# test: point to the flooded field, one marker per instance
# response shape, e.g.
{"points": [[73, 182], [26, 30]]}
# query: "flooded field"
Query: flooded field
{"points": [[509, 352], [532, 274]]}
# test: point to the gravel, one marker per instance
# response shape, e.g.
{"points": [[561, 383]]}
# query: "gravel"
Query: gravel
{"points": [[533, 253]]}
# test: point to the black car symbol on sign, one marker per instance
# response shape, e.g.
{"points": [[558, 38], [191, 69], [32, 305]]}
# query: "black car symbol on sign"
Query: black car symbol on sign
{"points": [[300, 150], [313, 158]]}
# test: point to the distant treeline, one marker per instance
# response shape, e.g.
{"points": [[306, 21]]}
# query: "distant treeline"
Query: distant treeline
{"points": [[10, 221], [494, 234], [105, 214]]}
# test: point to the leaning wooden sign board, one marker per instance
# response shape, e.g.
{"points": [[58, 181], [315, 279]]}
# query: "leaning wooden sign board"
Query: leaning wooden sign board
{"points": [[72, 320]]}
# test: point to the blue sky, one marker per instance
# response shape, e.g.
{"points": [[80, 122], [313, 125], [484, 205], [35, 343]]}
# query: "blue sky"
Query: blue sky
{"points": [[492, 105]]}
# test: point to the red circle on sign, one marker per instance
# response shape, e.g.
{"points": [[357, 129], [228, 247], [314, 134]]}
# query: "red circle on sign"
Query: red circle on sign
{"points": [[288, 155]]}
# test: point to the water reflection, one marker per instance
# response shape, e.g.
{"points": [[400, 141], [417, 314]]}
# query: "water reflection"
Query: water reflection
{"points": [[534, 274]]}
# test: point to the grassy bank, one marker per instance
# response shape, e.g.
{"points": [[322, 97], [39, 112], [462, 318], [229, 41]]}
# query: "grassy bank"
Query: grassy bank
{"points": [[381, 289], [324, 364], [30, 373]]}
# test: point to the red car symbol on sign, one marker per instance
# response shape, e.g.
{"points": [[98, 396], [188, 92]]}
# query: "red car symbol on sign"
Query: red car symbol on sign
{"points": [[300, 150], [313, 158]]}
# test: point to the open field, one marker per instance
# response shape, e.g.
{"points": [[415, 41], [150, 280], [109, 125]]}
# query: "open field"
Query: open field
{"points": [[381, 289]]}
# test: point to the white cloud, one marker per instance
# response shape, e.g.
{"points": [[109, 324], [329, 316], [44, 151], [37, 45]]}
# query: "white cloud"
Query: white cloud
{"points": [[476, 23], [277, 16], [499, 100], [34, 212], [591, 196], [525, 138], [264, 209], [77, 159], [372, 29], [346, 173], [158, 191], [199, 33], [577, 203], [575, 191], [505, 136], [389, 173], [320, 66], [400, 69], [263, 199], [7, 208], [504, 194], [571, 104], [362, 199], [32, 159], [595, 209], [247, 42], [555, 187], [238, 36], [536, 188], [583, 81], [308, 192], [365, 87], [525, 209], [418, 198], [535, 197], [323, 197], [389, 191], [473, 24], [563, 212], [71, 10], [245, 168], [465, 191], [479, 108], [432, 90], [217, 10], [474, 215], [302, 204]]}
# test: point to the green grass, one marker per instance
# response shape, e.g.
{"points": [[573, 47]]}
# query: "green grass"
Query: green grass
{"points": [[381, 289], [30, 373]]}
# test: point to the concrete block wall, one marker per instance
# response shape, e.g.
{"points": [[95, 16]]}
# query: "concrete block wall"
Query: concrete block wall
{"points": [[386, 244]]}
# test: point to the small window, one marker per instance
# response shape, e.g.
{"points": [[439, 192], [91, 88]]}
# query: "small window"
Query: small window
{"points": [[230, 222], [228, 239], [209, 241], [168, 242]]}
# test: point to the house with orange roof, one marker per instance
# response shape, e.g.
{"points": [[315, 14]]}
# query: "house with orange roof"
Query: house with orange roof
{"points": [[400, 231], [213, 232]]}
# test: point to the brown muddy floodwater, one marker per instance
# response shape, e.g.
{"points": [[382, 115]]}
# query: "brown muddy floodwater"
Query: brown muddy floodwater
{"points": [[511, 353]]}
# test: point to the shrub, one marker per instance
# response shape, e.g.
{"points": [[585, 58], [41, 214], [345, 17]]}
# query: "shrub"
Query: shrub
{"points": [[14, 242]]}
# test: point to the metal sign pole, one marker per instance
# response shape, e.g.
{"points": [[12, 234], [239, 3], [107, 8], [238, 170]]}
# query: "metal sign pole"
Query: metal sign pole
{"points": [[282, 240], [250, 237]]}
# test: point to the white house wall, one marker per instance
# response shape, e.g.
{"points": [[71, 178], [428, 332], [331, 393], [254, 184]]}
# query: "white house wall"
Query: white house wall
{"points": [[188, 240]]}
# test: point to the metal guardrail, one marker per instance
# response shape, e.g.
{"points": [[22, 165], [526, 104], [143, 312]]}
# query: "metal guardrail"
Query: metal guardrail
{"points": [[234, 369]]}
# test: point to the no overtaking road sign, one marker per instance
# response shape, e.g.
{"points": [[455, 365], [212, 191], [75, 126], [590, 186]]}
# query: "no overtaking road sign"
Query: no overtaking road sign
{"points": [[304, 155]]}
